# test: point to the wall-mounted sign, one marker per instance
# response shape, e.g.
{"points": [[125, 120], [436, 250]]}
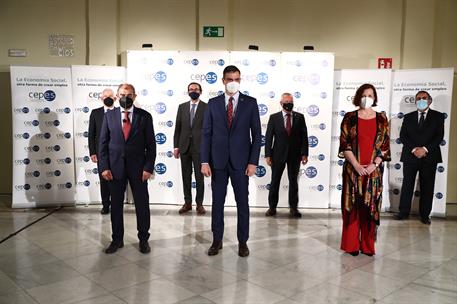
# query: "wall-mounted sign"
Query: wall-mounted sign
{"points": [[61, 45], [213, 31], [384, 63]]}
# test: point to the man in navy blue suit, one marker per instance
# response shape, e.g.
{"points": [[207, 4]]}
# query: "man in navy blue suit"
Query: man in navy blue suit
{"points": [[127, 152], [230, 147]]}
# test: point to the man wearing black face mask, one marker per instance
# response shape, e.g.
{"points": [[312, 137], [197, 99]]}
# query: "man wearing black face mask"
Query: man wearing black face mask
{"points": [[286, 143], [95, 126], [127, 154], [188, 126]]}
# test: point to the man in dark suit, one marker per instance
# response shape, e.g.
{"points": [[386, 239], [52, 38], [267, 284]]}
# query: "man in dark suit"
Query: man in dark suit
{"points": [[421, 133], [127, 153], [286, 143], [95, 126], [231, 140], [187, 139]]}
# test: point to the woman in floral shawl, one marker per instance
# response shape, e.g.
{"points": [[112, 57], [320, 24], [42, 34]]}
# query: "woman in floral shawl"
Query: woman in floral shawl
{"points": [[364, 144]]}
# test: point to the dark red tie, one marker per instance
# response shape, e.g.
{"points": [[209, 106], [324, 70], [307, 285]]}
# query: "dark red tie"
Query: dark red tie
{"points": [[230, 112], [126, 126], [288, 124]]}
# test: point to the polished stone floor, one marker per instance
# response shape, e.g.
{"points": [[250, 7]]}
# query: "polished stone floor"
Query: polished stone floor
{"points": [[60, 260]]}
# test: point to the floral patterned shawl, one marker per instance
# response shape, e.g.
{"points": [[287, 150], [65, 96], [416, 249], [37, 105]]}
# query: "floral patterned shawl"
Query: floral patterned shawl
{"points": [[352, 183]]}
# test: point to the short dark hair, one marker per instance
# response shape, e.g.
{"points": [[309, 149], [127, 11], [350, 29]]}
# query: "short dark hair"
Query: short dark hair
{"points": [[230, 69], [428, 95], [199, 86], [126, 85], [359, 93]]}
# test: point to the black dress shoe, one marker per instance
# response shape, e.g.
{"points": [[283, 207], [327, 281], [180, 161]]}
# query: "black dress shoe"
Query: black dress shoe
{"points": [[215, 247], [105, 210], [354, 253], [144, 247], [294, 213], [243, 250], [112, 248], [270, 212], [368, 254], [426, 221], [400, 217]]}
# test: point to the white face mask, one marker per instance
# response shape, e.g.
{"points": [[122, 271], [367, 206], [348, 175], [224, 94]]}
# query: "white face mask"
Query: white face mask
{"points": [[366, 102], [232, 87]]}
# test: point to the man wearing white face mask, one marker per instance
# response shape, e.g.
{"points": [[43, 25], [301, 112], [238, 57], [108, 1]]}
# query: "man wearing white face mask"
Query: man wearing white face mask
{"points": [[421, 133], [230, 147]]}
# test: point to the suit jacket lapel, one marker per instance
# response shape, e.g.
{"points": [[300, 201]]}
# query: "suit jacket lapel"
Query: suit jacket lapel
{"points": [[223, 110], [198, 113], [135, 123], [237, 111], [294, 121], [117, 120], [186, 114], [282, 127]]}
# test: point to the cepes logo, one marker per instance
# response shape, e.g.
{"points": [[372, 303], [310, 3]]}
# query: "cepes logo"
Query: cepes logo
{"points": [[209, 77], [48, 95], [263, 109], [161, 138], [260, 171], [160, 168], [160, 76]]}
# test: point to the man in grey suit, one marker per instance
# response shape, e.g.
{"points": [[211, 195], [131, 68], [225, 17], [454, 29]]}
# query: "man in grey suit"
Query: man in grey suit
{"points": [[187, 137]]}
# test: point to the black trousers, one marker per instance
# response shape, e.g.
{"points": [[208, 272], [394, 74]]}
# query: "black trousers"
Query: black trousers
{"points": [[277, 168], [187, 160], [104, 190], [427, 173], [141, 200]]}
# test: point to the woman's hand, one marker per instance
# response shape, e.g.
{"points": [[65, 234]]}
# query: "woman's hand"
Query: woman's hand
{"points": [[361, 170], [370, 168]]}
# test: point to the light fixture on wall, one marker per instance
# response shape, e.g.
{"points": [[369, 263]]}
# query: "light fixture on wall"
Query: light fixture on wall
{"points": [[308, 48], [253, 47], [147, 46]]}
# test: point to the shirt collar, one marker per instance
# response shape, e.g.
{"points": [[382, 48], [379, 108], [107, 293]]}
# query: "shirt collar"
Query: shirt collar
{"points": [[235, 97], [426, 112], [106, 109], [284, 113], [129, 110]]}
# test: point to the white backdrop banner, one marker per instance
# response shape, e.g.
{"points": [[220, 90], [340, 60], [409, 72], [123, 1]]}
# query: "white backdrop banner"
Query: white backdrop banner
{"points": [[46, 159], [309, 77], [346, 84], [162, 79], [406, 83], [43, 161], [88, 82]]}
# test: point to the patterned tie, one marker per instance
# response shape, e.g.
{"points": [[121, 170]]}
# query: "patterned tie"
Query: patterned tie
{"points": [[288, 125], [192, 114], [126, 126], [422, 119], [230, 112]]}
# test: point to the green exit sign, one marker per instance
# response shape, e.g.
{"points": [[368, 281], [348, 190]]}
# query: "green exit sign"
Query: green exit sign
{"points": [[213, 31]]}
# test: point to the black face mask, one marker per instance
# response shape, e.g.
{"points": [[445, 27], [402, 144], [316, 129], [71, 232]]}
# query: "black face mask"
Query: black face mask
{"points": [[288, 106], [126, 102], [194, 95], [108, 101]]}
